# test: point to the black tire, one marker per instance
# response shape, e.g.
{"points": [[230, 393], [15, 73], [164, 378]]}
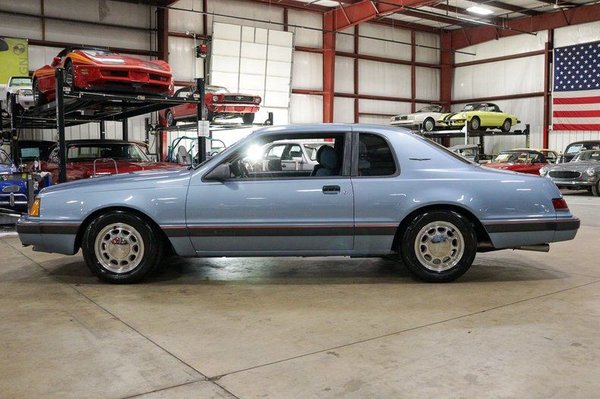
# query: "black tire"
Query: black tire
{"points": [[69, 75], [475, 124], [170, 118], [428, 125], [119, 228], [506, 126], [38, 97], [248, 119], [455, 253], [596, 189]]}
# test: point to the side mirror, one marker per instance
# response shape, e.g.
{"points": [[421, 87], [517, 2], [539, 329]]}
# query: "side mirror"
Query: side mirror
{"points": [[220, 173], [56, 61]]}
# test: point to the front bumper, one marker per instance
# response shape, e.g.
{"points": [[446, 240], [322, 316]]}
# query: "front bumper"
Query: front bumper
{"points": [[48, 236]]}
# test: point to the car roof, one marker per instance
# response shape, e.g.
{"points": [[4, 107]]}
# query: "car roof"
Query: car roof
{"points": [[311, 128], [528, 150], [534, 149]]}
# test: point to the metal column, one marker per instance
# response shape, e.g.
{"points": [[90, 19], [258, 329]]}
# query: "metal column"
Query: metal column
{"points": [[125, 123], [102, 130], [200, 89], [60, 126]]}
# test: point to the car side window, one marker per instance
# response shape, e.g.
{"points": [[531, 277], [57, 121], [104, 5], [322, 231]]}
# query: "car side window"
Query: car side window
{"points": [[375, 156], [294, 153], [275, 152]]}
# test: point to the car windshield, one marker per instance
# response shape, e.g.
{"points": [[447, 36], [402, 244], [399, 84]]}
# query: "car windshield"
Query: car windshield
{"points": [[431, 108], [216, 89], [587, 156], [511, 157], [95, 53], [116, 151], [469, 107], [577, 147], [20, 82]]}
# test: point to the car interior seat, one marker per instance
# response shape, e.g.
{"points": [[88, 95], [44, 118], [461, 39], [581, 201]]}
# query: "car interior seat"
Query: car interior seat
{"points": [[328, 162]]}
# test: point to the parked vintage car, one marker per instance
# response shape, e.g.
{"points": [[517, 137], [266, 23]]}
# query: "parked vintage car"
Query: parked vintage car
{"points": [[479, 116], [13, 185], [467, 151], [424, 118], [576, 147], [286, 156], [102, 70], [522, 161], [583, 172], [93, 158], [219, 102], [20, 86], [377, 191]]}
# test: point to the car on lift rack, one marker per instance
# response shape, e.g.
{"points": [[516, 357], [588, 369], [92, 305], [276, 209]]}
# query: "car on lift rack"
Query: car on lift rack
{"points": [[479, 116], [219, 103], [96, 69], [376, 191], [94, 158], [21, 87], [522, 161], [425, 118]]}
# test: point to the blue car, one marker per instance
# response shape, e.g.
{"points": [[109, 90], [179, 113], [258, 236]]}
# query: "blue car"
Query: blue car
{"points": [[13, 187], [375, 191]]}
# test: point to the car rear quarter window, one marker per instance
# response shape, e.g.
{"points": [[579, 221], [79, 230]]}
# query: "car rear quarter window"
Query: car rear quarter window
{"points": [[375, 156]]}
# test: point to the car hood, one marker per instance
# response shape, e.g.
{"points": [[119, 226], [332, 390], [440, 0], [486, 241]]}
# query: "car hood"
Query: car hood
{"points": [[120, 59], [500, 165], [578, 166], [130, 181]]}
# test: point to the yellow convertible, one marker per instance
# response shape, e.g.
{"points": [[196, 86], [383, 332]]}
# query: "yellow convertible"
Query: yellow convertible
{"points": [[479, 116]]}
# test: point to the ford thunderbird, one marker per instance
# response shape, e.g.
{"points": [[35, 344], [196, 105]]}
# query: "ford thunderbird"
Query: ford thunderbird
{"points": [[375, 191]]}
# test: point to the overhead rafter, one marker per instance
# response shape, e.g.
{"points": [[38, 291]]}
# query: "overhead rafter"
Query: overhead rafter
{"points": [[508, 7], [353, 14], [564, 17]]}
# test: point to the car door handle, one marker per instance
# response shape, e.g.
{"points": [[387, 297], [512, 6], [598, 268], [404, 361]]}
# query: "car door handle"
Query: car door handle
{"points": [[331, 189]]}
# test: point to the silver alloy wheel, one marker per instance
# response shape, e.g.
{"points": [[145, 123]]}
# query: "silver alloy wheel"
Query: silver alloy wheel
{"points": [[429, 125], [475, 124], [119, 248], [439, 246]]}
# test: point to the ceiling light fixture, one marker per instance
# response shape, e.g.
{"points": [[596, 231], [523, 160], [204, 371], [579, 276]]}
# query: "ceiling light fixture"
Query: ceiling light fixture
{"points": [[480, 10]]}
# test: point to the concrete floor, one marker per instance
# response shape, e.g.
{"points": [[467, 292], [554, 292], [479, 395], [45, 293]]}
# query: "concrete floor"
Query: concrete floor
{"points": [[517, 325]]}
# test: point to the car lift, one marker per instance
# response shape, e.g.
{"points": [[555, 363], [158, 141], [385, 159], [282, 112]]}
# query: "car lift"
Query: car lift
{"points": [[468, 133], [72, 108]]}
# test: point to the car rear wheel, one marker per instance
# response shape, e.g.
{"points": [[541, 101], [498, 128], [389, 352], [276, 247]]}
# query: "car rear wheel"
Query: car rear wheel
{"points": [[38, 97], [475, 123], [120, 247], [170, 118], [428, 124], [596, 189], [248, 118], [506, 126], [438, 246], [69, 75]]}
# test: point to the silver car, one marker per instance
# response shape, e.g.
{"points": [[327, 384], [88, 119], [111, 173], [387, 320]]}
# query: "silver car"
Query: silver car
{"points": [[582, 172], [375, 191]]}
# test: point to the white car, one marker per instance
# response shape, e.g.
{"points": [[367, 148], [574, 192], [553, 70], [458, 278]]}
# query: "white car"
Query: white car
{"points": [[287, 155], [21, 87], [425, 117]]}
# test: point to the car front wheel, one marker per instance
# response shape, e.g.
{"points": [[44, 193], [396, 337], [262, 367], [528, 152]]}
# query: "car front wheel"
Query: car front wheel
{"points": [[596, 189], [120, 247], [506, 126], [438, 246]]}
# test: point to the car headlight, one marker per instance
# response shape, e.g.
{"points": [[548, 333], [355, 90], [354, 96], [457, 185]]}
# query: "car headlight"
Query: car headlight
{"points": [[591, 171], [35, 208], [543, 171]]}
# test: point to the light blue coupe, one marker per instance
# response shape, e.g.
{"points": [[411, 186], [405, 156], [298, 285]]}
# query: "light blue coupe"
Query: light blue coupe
{"points": [[375, 191]]}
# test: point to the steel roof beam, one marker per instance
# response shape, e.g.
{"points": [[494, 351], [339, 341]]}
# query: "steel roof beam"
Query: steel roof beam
{"points": [[578, 15]]}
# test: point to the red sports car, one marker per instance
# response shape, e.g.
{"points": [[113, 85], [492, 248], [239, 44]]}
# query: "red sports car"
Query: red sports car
{"points": [[102, 70], [522, 161], [92, 158], [220, 103]]}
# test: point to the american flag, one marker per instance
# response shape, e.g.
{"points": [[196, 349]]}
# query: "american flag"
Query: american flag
{"points": [[576, 91]]}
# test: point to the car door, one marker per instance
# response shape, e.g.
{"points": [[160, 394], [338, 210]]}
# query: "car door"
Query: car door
{"points": [[272, 215]]}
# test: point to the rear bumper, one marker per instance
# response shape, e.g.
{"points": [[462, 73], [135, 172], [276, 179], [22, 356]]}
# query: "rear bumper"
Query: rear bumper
{"points": [[48, 236], [518, 232], [138, 80], [233, 108]]}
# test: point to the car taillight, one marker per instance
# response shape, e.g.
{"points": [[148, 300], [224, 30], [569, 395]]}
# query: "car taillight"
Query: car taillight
{"points": [[257, 100], [560, 204]]}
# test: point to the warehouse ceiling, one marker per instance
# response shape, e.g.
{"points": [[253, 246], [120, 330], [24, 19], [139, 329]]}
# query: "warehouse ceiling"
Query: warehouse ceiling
{"points": [[456, 14]]}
